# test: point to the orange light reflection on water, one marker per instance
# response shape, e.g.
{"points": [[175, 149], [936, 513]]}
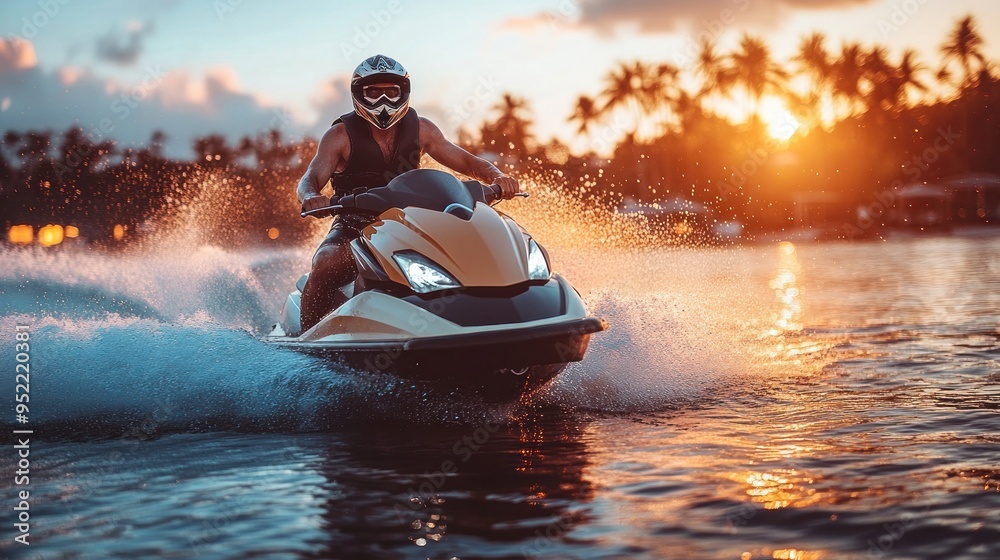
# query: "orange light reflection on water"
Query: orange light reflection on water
{"points": [[786, 289], [779, 488]]}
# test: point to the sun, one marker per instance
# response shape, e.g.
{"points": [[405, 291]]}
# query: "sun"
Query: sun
{"points": [[781, 123]]}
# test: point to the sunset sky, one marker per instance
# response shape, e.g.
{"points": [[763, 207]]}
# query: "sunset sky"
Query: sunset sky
{"points": [[240, 66]]}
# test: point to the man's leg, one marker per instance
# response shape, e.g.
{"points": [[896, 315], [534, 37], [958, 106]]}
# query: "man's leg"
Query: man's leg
{"points": [[333, 267]]}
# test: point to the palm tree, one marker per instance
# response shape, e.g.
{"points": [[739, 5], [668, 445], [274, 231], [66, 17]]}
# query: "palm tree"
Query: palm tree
{"points": [[712, 68], [622, 89], [906, 76], [585, 112], [876, 86], [644, 90], [847, 73], [964, 45], [814, 60], [512, 128], [755, 71], [659, 92]]}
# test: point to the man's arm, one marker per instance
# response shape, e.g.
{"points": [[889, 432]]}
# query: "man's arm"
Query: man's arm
{"points": [[448, 154], [331, 155]]}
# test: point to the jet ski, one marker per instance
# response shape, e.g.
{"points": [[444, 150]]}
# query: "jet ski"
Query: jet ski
{"points": [[449, 292]]}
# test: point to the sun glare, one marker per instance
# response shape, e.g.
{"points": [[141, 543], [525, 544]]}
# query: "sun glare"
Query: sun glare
{"points": [[781, 123]]}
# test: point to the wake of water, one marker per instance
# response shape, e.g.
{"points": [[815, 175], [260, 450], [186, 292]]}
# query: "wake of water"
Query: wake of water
{"points": [[165, 337]]}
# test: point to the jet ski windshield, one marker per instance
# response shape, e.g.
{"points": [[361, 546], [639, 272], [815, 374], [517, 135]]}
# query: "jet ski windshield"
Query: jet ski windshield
{"points": [[420, 188]]}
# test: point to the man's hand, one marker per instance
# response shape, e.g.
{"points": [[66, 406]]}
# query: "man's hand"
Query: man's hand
{"points": [[508, 186], [315, 202]]}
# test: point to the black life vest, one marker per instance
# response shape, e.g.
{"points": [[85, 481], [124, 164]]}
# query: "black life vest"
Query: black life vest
{"points": [[367, 166]]}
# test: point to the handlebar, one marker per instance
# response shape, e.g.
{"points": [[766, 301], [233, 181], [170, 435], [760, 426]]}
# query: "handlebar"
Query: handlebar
{"points": [[335, 209], [498, 194]]}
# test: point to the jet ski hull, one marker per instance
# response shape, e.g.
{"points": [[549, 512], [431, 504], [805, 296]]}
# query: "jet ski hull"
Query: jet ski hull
{"points": [[503, 363]]}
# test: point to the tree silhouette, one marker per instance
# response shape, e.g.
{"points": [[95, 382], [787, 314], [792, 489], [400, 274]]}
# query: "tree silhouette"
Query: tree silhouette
{"points": [[813, 60], [511, 131], [622, 89], [711, 67], [906, 75], [753, 69], [644, 91], [213, 151], [964, 45], [847, 72], [585, 112]]}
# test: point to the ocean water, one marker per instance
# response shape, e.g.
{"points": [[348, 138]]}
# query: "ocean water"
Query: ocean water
{"points": [[812, 401]]}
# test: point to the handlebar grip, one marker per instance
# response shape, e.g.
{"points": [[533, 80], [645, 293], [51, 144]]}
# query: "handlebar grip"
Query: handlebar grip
{"points": [[331, 209], [498, 192]]}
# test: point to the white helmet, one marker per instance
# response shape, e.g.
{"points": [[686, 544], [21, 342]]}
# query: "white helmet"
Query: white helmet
{"points": [[381, 106]]}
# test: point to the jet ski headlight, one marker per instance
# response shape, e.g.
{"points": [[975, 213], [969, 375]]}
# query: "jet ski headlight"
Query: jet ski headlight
{"points": [[423, 275], [538, 268]]}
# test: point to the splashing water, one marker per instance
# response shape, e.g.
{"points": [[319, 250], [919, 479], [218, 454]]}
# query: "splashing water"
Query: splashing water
{"points": [[165, 335]]}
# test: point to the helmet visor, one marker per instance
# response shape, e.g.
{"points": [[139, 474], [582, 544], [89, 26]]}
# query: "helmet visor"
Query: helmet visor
{"points": [[375, 92]]}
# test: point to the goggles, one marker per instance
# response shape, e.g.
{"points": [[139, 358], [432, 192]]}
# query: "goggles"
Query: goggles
{"points": [[375, 92]]}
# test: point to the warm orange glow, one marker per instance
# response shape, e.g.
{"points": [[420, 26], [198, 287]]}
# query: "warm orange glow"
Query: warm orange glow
{"points": [[794, 554], [119, 232], [781, 123], [50, 235], [682, 228], [786, 289], [273, 233], [72, 232], [21, 235]]}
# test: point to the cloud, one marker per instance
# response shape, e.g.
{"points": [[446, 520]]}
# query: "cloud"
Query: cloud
{"points": [[332, 100], [183, 106], [16, 54], [124, 49], [657, 16]]}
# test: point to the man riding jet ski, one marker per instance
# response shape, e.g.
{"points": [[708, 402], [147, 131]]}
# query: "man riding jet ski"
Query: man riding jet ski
{"points": [[419, 275], [381, 139]]}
